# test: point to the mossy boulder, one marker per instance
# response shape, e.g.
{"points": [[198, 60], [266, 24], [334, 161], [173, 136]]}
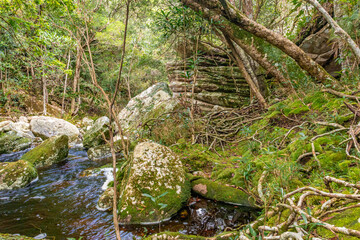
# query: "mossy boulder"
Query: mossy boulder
{"points": [[94, 136], [216, 191], [12, 142], [46, 127], [52, 150], [105, 202], [16, 174], [144, 105], [154, 186]]}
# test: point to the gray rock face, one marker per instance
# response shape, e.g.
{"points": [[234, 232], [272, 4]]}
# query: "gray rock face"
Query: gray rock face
{"points": [[217, 84], [16, 174], [152, 100], [46, 127], [94, 136], [154, 186], [52, 150], [320, 48]]}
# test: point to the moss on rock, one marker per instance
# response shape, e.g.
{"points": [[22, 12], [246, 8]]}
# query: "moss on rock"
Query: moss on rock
{"points": [[154, 186], [216, 191], [12, 142], [105, 201], [16, 174], [52, 150], [14, 237]]}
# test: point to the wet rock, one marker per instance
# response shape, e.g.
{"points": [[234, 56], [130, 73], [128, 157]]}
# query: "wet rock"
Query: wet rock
{"points": [[12, 142], [94, 136], [154, 186], [46, 127], [154, 99], [105, 201], [14, 237], [16, 174], [216, 191], [52, 150]]}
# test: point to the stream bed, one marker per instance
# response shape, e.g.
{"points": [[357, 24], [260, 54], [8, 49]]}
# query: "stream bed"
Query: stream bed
{"points": [[61, 205]]}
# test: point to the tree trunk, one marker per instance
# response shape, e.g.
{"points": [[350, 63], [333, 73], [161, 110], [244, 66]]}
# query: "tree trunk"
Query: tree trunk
{"points": [[43, 80], [65, 85], [338, 30], [212, 9], [76, 76], [246, 75]]}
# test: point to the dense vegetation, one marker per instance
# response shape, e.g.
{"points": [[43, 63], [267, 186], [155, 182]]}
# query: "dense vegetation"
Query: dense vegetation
{"points": [[291, 146]]}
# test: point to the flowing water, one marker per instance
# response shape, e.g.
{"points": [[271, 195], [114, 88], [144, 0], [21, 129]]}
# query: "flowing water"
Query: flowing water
{"points": [[61, 204]]}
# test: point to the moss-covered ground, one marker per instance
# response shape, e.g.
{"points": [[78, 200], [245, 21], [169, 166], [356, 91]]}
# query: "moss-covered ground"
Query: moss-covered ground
{"points": [[281, 143]]}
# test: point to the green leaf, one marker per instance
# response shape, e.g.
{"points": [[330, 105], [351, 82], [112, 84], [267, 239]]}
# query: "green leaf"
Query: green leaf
{"points": [[304, 217]]}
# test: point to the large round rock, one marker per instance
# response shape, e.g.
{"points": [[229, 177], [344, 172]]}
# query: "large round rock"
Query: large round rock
{"points": [[154, 186], [52, 150], [46, 127], [16, 174]]}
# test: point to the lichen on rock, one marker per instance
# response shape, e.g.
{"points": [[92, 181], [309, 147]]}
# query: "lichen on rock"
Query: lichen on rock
{"points": [[52, 150], [105, 201], [141, 106], [94, 136], [16, 174], [154, 186]]}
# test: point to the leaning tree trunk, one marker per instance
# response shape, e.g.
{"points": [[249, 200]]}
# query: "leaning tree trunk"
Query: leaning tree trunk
{"points": [[253, 87], [213, 9]]}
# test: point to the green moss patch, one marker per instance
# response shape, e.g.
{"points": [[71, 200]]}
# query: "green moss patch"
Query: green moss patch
{"points": [[52, 150], [218, 192]]}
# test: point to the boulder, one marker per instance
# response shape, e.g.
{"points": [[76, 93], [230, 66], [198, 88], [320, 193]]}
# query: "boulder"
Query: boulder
{"points": [[94, 136], [105, 201], [99, 153], [12, 141], [154, 99], [153, 186], [21, 128], [46, 127], [16, 174], [218, 192], [52, 150], [319, 46]]}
